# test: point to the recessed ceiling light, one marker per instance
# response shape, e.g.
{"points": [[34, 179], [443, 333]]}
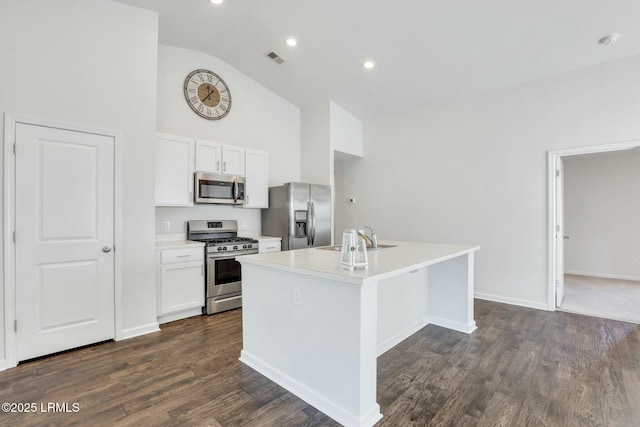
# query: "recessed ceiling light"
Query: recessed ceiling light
{"points": [[369, 64], [292, 42], [609, 39], [216, 1]]}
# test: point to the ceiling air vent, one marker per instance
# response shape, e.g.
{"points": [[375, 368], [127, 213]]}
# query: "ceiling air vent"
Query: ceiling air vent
{"points": [[275, 57]]}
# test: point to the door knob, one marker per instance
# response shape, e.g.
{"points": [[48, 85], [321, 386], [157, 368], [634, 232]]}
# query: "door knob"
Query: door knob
{"points": [[566, 237], [106, 249]]}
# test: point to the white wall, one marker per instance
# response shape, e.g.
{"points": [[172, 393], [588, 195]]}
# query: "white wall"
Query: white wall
{"points": [[345, 131], [258, 119], [316, 156], [474, 171], [602, 208], [93, 63]]}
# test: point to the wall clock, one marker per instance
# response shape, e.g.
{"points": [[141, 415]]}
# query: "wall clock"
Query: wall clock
{"points": [[207, 94]]}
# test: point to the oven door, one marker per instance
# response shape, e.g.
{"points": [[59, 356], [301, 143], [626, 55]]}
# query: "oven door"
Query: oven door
{"points": [[224, 276]]}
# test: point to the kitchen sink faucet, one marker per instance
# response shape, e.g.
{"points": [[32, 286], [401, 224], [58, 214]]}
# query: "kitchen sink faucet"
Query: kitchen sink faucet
{"points": [[373, 239]]}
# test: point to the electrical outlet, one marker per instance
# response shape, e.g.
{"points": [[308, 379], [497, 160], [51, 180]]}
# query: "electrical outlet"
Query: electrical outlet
{"points": [[634, 261], [167, 225], [352, 200], [297, 296]]}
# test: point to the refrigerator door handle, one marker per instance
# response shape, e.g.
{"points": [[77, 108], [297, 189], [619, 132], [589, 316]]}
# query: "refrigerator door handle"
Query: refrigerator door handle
{"points": [[313, 224], [308, 224]]}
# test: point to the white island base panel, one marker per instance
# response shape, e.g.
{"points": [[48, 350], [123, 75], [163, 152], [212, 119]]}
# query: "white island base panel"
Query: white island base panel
{"points": [[317, 331]]}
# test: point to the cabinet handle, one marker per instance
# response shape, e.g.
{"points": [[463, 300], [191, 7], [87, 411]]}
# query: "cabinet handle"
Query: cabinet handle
{"points": [[191, 196], [202, 270], [218, 166], [224, 166], [184, 256], [246, 202]]}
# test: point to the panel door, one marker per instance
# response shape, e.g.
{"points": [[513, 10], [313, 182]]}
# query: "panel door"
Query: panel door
{"points": [[559, 273], [64, 239]]}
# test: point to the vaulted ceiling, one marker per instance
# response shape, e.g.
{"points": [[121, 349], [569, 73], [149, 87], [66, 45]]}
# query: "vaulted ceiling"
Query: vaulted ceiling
{"points": [[425, 51]]}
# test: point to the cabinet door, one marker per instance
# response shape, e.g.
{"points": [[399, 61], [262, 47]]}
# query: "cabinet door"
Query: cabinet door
{"points": [[174, 171], [256, 179], [208, 156], [269, 246], [232, 160], [182, 286]]}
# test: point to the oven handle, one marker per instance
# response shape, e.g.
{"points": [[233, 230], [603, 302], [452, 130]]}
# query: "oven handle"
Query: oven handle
{"points": [[228, 299], [228, 255]]}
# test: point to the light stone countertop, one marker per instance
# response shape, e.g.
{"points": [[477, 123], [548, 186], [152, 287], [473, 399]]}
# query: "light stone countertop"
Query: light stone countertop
{"points": [[177, 244], [383, 263], [266, 238]]}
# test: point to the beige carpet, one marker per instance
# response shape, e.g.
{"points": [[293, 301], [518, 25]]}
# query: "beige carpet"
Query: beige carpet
{"points": [[607, 298]]}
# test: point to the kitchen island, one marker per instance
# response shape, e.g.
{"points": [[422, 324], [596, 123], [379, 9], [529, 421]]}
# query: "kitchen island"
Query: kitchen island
{"points": [[317, 329]]}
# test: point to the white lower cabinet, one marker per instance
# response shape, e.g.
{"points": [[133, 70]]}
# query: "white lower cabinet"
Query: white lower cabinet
{"points": [[269, 244], [180, 283]]}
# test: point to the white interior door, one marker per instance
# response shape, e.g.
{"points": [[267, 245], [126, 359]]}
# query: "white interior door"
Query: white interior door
{"points": [[64, 210], [559, 220]]}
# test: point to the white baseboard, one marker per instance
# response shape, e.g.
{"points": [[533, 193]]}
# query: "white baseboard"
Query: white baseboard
{"points": [[318, 401], [180, 315], [391, 342], [4, 366], [603, 275], [456, 326], [140, 330], [513, 301]]}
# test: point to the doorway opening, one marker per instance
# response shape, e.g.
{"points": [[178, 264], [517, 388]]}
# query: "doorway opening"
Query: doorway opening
{"points": [[589, 283]]}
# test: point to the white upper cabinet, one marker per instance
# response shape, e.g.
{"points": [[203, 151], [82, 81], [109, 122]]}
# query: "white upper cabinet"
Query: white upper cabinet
{"points": [[175, 160], [219, 158], [256, 179], [232, 160], [208, 156]]}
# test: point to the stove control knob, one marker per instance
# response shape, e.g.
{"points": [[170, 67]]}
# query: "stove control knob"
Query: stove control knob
{"points": [[219, 248], [235, 247], [244, 246]]}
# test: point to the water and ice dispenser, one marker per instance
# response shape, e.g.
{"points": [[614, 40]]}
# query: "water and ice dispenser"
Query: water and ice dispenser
{"points": [[300, 218]]}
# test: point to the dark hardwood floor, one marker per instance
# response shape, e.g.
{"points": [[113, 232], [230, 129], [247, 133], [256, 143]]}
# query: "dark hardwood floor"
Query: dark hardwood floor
{"points": [[522, 367]]}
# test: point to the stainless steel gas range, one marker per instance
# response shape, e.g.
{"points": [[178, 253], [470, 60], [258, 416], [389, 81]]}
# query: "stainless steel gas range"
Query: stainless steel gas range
{"points": [[223, 284]]}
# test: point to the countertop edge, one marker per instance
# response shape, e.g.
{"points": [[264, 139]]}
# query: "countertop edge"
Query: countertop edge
{"points": [[177, 244], [348, 277]]}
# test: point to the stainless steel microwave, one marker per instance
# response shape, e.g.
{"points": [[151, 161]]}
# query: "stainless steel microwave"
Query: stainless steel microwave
{"points": [[217, 188]]}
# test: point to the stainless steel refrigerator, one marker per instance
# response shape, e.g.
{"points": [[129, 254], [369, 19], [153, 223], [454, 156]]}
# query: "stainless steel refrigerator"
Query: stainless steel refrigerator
{"points": [[300, 214]]}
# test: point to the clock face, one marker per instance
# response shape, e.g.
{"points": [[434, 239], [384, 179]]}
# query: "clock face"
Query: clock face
{"points": [[207, 94]]}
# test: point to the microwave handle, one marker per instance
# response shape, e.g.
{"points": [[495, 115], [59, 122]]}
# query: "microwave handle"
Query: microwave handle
{"points": [[235, 190]]}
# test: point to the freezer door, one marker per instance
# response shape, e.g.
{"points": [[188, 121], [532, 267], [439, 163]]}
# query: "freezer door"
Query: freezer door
{"points": [[320, 210], [275, 220], [299, 218]]}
